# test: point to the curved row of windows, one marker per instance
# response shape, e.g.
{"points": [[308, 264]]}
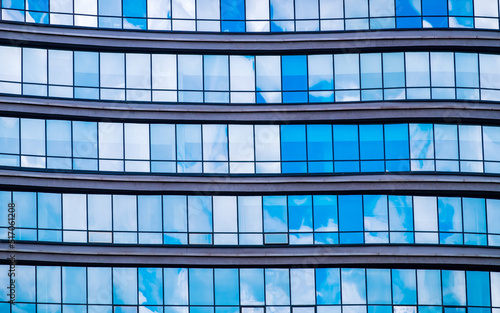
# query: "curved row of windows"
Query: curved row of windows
{"points": [[249, 79], [248, 149], [250, 290], [251, 220], [256, 15]]}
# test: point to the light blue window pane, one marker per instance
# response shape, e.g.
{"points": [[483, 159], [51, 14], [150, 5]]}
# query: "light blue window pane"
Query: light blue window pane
{"points": [[112, 70], [13, 4], [150, 214], [84, 139], [34, 65], [474, 215], [151, 286], [200, 213], [417, 69], [25, 209], [489, 70], [434, 7], [277, 287], [242, 72], [232, 10], [408, 8], [99, 285], [293, 142], [346, 71], [189, 142], [466, 65], [162, 142], [454, 288], [327, 286], [86, 69], [32, 136], [371, 70], [460, 7], [250, 214], [404, 287], [226, 287], [325, 213], [201, 282], [396, 141], [124, 285], [176, 286], [345, 142], [25, 281], [376, 213], [371, 142], [110, 7], [320, 70], [48, 284], [450, 214], [478, 288], [175, 213], [74, 285], [282, 9], [394, 75], [493, 216], [353, 286], [350, 213], [268, 70], [443, 69], [319, 142], [294, 72], [134, 8], [215, 146], [49, 210], [491, 139], [429, 287], [471, 145], [216, 72], [302, 286], [9, 136], [124, 213], [300, 208], [357, 8], [59, 138], [379, 286], [446, 141], [99, 212], [190, 72], [5, 199], [251, 286], [275, 214], [421, 141]]}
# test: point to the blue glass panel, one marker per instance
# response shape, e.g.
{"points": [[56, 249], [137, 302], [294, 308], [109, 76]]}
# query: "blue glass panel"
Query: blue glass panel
{"points": [[454, 288], [277, 286], [176, 286], [450, 214], [460, 7], [232, 10], [474, 215], [201, 286], [37, 5], [325, 213], [13, 4], [275, 214], [408, 7], [74, 285], [396, 141], [378, 286], [293, 142], [124, 285], [429, 287], [434, 7], [49, 210], [134, 8], [226, 287], [327, 286], [319, 142], [300, 210], [345, 142], [350, 213], [252, 286], [294, 72], [151, 286], [371, 142], [86, 69], [353, 286], [232, 26], [478, 288], [404, 287]]}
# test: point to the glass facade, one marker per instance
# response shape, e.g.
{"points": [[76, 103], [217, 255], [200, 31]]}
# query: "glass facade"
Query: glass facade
{"points": [[248, 149], [256, 15], [252, 220], [245, 79]]}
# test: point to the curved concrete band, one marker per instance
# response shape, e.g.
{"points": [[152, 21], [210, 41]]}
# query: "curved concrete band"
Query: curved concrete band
{"points": [[398, 256]]}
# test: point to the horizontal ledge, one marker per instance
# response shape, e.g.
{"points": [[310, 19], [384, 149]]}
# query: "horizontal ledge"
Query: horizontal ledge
{"points": [[438, 111], [48, 36], [374, 256], [415, 184]]}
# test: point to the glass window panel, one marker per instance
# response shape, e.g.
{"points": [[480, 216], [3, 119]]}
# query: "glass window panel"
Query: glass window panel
{"points": [[215, 143], [300, 210], [446, 141], [277, 287], [320, 72], [443, 69], [353, 286], [467, 67], [250, 214], [190, 72], [379, 286], [164, 71], [9, 137], [149, 213], [176, 286], [86, 69], [358, 8], [61, 67], [242, 73], [58, 138], [493, 216], [124, 285], [319, 142], [429, 287], [74, 211], [487, 8], [49, 210], [48, 284], [189, 142], [34, 65], [175, 213], [400, 213], [282, 9], [251, 286], [327, 286], [450, 214], [371, 70], [74, 285], [226, 287], [394, 75], [225, 214], [84, 139], [201, 286], [471, 147], [216, 72], [421, 141], [112, 70], [268, 73], [110, 7], [134, 8], [478, 288], [162, 142], [138, 71], [495, 289], [491, 138], [417, 69], [345, 142], [331, 9], [275, 214], [454, 288], [474, 215], [25, 208], [32, 136], [99, 285], [111, 140], [371, 142], [380, 8], [404, 287], [425, 209], [241, 145], [137, 141], [293, 142], [99, 210], [376, 213], [302, 286], [124, 213], [267, 143], [183, 9], [294, 72], [200, 213], [396, 141], [25, 281], [325, 213], [150, 286], [489, 69], [350, 213], [11, 64], [209, 9], [346, 71]]}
